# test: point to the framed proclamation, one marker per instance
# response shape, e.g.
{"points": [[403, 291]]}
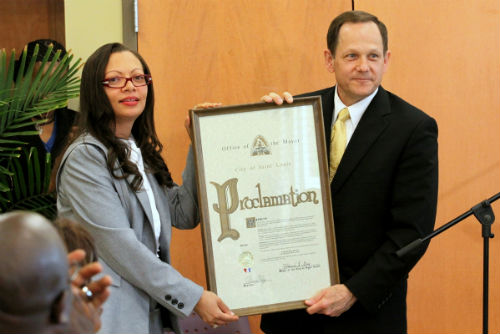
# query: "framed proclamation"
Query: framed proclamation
{"points": [[265, 204]]}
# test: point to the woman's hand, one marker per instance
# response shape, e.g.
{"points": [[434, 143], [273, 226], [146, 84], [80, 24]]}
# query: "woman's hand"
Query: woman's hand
{"points": [[213, 311], [204, 105]]}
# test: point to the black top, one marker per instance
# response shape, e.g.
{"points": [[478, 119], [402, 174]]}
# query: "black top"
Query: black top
{"points": [[65, 119]]}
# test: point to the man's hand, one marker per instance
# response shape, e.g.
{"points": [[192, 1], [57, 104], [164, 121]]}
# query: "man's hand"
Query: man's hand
{"points": [[273, 97], [213, 311], [99, 288], [86, 310], [83, 318], [332, 301]]}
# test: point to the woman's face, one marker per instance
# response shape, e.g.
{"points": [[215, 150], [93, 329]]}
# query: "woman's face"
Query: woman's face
{"points": [[127, 102]]}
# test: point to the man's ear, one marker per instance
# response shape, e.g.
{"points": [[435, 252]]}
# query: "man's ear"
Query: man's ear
{"points": [[387, 58], [59, 310], [329, 61]]}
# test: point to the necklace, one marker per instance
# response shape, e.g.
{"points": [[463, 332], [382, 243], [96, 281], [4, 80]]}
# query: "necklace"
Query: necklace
{"points": [[48, 119], [39, 128]]}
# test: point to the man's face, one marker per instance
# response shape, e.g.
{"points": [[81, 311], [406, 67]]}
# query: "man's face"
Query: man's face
{"points": [[359, 61]]}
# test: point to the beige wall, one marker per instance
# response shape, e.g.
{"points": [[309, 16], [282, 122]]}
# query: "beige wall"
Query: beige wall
{"points": [[90, 24], [445, 60]]}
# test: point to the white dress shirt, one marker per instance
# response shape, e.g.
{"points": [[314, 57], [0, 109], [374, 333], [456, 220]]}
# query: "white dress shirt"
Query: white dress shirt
{"points": [[136, 157], [356, 111]]}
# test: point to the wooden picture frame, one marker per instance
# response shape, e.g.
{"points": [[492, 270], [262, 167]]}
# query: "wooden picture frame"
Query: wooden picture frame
{"points": [[264, 196]]}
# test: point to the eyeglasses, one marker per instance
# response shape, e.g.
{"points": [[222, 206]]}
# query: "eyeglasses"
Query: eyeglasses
{"points": [[120, 82]]}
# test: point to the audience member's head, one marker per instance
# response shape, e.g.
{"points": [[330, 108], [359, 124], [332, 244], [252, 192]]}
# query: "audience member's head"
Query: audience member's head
{"points": [[76, 237], [34, 283], [43, 47]]}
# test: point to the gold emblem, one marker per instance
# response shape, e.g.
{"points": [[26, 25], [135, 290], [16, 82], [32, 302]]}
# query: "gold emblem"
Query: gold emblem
{"points": [[260, 146]]}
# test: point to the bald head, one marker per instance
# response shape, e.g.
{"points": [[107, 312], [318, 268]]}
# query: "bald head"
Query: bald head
{"points": [[34, 265]]}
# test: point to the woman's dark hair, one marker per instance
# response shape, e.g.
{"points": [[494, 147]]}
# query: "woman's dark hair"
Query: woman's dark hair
{"points": [[98, 119]]}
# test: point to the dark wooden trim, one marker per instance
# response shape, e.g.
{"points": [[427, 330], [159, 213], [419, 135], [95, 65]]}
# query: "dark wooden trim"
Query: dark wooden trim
{"points": [[128, 19], [57, 29]]}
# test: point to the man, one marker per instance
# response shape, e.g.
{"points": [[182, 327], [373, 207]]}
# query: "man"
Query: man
{"points": [[35, 294], [383, 186]]}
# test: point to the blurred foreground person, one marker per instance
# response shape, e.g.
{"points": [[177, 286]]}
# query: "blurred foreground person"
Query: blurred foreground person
{"points": [[35, 292]]}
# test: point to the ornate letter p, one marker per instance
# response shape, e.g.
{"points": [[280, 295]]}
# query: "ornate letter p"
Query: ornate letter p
{"points": [[222, 209]]}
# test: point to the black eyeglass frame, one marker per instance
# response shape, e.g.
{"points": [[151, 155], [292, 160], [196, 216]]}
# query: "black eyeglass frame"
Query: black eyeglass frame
{"points": [[148, 78]]}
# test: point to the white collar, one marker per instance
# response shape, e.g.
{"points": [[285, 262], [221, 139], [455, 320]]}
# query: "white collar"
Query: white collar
{"points": [[356, 110]]}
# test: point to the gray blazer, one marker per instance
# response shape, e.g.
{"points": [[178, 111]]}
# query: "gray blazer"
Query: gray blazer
{"points": [[120, 220]]}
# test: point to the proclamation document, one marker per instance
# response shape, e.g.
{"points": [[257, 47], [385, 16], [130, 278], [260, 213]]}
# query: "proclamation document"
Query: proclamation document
{"points": [[267, 224]]}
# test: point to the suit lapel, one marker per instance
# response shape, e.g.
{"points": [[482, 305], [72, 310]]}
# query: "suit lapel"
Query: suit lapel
{"points": [[369, 128], [160, 198], [327, 105], [142, 197], [162, 205]]}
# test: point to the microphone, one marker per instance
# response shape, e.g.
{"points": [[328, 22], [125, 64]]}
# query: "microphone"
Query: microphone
{"points": [[408, 248]]}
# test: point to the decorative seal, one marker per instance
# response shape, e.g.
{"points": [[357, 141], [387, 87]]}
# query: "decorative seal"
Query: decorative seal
{"points": [[246, 260]]}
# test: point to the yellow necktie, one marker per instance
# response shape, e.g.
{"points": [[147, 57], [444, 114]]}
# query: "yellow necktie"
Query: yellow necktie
{"points": [[338, 141]]}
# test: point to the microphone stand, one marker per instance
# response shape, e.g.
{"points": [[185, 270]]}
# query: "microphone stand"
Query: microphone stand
{"points": [[484, 214]]}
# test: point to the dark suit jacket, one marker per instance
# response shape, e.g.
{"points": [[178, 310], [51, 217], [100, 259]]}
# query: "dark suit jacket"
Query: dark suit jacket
{"points": [[384, 196]]}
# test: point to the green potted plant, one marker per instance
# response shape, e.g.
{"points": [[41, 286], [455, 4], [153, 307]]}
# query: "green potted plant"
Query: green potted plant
{"points": [[26, 94]]}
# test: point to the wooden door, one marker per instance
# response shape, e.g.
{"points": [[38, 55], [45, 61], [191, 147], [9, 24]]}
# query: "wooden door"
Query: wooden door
{"points": [[22, 21], [445, 60]]}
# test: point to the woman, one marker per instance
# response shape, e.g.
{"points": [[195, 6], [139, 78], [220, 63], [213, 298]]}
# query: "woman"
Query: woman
{"points": [[55, 132], [114, 181]]}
